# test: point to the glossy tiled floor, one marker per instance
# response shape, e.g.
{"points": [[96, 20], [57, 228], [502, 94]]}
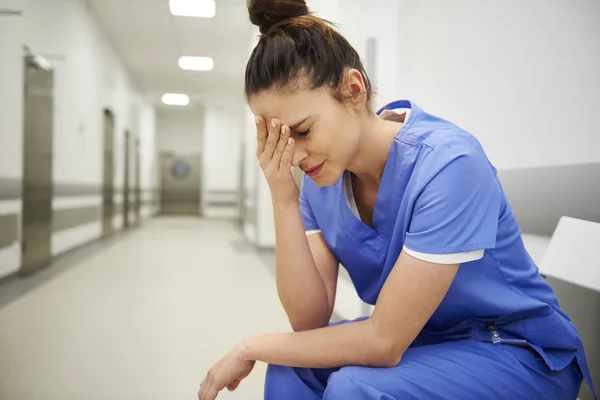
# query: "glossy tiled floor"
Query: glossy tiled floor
{"points": [[140, 318]]}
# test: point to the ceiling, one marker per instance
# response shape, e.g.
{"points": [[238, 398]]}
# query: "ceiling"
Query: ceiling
{"points": [[150, 40]]}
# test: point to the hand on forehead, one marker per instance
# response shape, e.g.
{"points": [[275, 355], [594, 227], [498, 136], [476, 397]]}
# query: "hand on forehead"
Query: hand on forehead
{"points": [[290, 107]]}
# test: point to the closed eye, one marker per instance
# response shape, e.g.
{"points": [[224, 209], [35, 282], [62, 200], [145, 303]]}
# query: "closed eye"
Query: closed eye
{"points": [[304, 133]]}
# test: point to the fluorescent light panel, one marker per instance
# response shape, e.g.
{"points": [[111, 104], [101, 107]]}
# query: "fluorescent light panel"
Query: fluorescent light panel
{"points": [[196, 63], [175, 99], [193, 8]]}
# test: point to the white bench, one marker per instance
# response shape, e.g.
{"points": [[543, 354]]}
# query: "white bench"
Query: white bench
{"points": [[571, 264]]}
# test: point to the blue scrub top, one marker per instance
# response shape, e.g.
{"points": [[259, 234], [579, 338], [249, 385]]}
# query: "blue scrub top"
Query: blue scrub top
{"points": [[439, 195]]}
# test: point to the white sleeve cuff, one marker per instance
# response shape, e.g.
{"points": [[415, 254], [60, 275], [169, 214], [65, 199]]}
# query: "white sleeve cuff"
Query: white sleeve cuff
{"points": [[313, 232], [455, 258]]}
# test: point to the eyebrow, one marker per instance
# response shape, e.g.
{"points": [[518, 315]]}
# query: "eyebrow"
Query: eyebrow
{"points": [[297, 124]]}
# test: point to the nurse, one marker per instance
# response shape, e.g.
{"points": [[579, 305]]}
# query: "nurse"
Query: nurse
{"points": [[411, 206]]}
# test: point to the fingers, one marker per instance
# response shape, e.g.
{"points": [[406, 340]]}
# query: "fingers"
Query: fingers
{"points": [[281, 145], [275, 145], [288, 154], [272, 139], [261, 135], [211, 394], [203, 388], [206, 387], [207, 392]]}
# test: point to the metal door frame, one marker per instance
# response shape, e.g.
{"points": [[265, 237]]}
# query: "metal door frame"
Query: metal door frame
{"points": [[126, 181], [137, 184], [37, 196], [108, 189]]}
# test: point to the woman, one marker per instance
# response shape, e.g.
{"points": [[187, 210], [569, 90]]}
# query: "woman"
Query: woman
{"points": [[412, 208]]}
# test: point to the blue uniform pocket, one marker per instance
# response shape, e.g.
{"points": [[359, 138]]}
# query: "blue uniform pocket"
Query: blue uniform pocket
{"points": [[547, 335]]}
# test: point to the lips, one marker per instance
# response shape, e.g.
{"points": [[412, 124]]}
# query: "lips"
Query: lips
{"points": [[314, 171]]}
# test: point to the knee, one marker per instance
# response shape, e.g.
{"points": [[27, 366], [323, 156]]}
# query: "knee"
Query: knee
{"points": [[277, 373], [367, 383], [287, 383], [277, 378], [343, 385]]}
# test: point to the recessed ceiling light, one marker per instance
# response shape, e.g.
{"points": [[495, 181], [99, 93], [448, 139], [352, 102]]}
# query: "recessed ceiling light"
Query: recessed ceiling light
{"points": [[196, 63], [193, 8], [175, 99]]}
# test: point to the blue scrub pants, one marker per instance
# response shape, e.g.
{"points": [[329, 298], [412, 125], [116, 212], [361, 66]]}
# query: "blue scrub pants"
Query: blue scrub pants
{"points": [[463, 369]]}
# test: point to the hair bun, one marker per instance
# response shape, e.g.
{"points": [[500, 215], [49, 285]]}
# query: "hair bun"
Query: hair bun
{"points": [[267, 13]]}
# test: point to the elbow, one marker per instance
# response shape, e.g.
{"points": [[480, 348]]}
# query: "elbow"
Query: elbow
{"points": [[390, 359], [389, 353], [297, 327], [388, 346], [309, 322], [309, 318], [306, 325], [300, 326]]}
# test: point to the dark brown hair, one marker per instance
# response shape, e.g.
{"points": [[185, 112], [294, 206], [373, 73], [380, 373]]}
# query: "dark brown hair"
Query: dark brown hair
{"points": [[294, 44]]}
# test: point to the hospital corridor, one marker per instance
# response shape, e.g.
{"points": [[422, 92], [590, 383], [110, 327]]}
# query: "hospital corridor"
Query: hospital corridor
{"points": [[149, 241], [140, 317]]}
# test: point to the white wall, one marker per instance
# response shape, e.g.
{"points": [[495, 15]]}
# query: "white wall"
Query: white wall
{"points": [[179, 129], [11, 114], [223, 133], [522, 76], [252, 174], [148, 158], [89, 76]]}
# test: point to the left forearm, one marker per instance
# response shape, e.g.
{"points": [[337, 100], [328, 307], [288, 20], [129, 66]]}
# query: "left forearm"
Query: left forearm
{"points": [[354, 343]]}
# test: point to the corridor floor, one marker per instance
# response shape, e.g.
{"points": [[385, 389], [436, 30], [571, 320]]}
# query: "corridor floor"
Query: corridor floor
{"points": [[143, 317]]}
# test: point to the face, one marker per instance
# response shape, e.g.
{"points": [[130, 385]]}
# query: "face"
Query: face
{"points": [[326, 131]]}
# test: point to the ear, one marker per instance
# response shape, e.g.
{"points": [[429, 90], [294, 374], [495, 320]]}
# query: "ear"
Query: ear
{"points": [[356, 88]]}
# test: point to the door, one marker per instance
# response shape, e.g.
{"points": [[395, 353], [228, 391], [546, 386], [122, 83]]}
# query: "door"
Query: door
{"points": [[37, 165], [108, 188], [137, 193], [180, 184], [126, 183]]}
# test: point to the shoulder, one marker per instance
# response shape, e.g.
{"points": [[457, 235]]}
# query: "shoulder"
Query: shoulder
{"points": [[439, 144], [433, 150], [429, 138]]}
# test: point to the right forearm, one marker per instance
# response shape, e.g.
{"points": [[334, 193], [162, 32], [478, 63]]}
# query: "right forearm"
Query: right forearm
{"points": [[299, 284]]}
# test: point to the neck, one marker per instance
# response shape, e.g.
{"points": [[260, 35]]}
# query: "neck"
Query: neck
{"points": [[377, 136]]}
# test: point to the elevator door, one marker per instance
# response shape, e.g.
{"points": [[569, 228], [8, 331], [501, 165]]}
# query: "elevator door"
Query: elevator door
{"points": [[108, 204], [37, 165], [126, 183]]}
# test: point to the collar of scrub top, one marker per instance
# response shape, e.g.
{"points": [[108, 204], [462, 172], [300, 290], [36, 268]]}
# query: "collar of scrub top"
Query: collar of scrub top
{"points": [[403, 105], [395, 105]]}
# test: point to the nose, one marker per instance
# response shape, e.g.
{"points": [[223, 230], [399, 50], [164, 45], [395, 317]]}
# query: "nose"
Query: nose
{"points": [[299, 155]]}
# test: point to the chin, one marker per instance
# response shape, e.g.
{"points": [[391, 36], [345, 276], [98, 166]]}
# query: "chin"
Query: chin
{"points": [[326, 178]]}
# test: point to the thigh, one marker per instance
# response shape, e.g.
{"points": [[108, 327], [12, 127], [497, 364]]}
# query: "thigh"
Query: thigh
{"points": [[457, 370]]}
